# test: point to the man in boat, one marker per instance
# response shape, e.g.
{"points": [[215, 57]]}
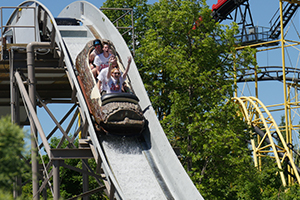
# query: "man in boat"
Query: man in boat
{"points": [[101, 60], [97, 51]]}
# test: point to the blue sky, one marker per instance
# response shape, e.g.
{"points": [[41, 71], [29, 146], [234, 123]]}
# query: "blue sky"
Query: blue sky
{"points": [[55, 6], [270, 92]]}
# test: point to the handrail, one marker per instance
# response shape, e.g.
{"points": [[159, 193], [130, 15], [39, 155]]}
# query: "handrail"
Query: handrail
{"points": [[5, 27]]}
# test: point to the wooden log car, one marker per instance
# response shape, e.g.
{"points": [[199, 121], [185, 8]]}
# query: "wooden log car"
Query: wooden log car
{"points": [[115, 113]]}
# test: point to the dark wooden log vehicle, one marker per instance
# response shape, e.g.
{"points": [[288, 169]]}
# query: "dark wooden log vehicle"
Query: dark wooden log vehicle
{"points": [[117, 113]]}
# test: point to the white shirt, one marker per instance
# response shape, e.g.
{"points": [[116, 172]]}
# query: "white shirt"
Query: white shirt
{"points": [[103, 78], [113, 86], [102, 61]]}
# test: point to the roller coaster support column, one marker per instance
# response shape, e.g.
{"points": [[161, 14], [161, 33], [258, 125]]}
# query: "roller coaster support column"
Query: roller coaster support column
{"points": [[256, 115], [283, 74], [31, 90], [289, 138]]}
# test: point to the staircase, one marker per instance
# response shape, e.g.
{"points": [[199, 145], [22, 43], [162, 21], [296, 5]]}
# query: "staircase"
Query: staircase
{"points": [[288, 13]]}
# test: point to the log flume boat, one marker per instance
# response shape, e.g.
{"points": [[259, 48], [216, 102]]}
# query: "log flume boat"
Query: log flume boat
{"points": [[114, 113]]}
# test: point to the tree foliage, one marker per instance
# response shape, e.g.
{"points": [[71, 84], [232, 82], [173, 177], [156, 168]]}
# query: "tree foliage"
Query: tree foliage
{"points": [[11, 147], [192, 64], [186, 63]]}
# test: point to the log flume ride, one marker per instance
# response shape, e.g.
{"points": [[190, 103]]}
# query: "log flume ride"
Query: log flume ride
{"points": [[60, 47]]}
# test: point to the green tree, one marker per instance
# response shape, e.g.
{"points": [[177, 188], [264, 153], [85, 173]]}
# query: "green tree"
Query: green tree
{"points": [[290, 193], [11, 147], [5, 195], [185, 69]]}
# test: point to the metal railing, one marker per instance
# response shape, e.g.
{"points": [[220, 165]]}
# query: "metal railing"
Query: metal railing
{"points": [[254, 35], [129, 28], [4, 43]]}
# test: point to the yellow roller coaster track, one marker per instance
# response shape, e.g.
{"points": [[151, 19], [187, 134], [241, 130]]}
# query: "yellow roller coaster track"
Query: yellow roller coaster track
{"points": [[258, 116]]}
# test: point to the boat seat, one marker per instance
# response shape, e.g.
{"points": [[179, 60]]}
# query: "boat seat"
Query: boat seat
{"points": [[119, 97]]}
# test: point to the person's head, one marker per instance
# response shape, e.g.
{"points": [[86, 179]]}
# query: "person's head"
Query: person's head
{"points": [[114, 63], [110, 51], [115, 72], [105, 48], [97, 44]]}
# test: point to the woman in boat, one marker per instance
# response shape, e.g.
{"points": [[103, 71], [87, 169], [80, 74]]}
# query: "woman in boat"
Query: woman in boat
{"points": [[114, 78]]}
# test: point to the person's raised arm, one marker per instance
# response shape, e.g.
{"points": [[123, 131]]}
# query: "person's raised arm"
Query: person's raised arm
{"points": [[111, 60], [127, 68]]}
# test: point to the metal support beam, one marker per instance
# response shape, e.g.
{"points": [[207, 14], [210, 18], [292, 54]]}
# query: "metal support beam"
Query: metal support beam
{"points": [[32, 93], [46, 180], [14, 93], [60, 122], [56, 122], [56, 180], [15, 114], [31, 113], [129, 28], [85, 181], [97, 177], [112, 192], [60, 154], [35, 124], [88, 193], [17, 187]]}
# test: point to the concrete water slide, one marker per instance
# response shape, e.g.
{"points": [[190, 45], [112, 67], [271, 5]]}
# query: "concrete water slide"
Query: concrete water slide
{"points": [[137, 168]]}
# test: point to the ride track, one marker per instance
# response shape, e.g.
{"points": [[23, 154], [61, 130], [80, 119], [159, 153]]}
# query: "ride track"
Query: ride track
{"points": [[267, 139], [263, 141], [50, 75]]}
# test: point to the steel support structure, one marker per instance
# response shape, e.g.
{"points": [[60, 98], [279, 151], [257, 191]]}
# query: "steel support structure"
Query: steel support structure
{"points": [[57, 155], [23, 86], [129, 28], [243, 12], [32, 96], [259, 116], [15, 115], [265, 126]]}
